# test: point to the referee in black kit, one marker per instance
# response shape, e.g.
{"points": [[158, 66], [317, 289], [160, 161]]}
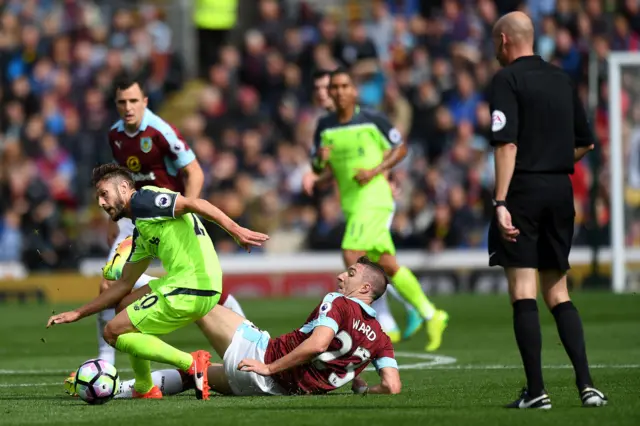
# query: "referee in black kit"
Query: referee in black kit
{"points": [[539, 129]]}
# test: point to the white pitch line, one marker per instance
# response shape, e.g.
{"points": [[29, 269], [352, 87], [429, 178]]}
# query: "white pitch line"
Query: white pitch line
{"points": [[517, 367], [24, 385]]}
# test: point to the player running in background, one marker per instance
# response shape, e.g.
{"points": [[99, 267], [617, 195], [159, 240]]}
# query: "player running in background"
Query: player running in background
{"points": [[155, 153], [168, 229], [323, 102], [357, 148], [337, 342]]}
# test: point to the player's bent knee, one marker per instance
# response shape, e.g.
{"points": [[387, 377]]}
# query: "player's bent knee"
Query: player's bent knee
{"points": [[110, 334], [389, 263]]}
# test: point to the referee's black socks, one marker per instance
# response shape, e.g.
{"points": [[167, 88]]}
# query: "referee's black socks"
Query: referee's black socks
{"points": [[526, 325], [572, 337]]}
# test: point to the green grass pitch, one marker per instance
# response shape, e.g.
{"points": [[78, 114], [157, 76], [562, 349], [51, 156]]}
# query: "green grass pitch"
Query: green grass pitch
{"points": [[477, 371]]}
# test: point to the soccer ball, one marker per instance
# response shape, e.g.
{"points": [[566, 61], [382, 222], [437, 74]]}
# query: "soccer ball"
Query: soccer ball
{"points": [[96, 381]]}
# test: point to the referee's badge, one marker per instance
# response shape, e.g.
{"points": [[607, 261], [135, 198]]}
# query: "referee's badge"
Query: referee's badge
{"points": [[146, 144], [498, 120]]}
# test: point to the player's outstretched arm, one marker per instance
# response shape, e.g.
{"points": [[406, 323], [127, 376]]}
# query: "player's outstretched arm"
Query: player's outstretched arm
{"points": [[389, 382], [243, 236], [107, 299], [316, 344]]}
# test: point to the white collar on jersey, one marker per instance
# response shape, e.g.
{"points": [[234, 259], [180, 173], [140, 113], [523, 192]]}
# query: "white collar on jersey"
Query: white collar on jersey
{"points": [[368, 309]]}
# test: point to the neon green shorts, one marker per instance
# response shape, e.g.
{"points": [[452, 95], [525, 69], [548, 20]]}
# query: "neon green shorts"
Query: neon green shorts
{"points": [[168, 308], [368, 231]]}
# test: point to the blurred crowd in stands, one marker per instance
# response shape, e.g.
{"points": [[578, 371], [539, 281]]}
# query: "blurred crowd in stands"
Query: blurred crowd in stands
{"points": [[425, 64]]}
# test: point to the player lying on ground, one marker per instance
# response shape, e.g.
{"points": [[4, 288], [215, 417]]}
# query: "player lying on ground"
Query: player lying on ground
{"points": [[113, 271], [167, 228], [358, 148], [337, 342]]}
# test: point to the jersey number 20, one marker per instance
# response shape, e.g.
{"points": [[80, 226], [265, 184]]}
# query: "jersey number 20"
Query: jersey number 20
{"points": [[347, 345]]}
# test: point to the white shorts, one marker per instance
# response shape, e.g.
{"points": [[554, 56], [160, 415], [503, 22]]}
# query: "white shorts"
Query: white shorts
{"points": [[248, 342], [126, 227]]}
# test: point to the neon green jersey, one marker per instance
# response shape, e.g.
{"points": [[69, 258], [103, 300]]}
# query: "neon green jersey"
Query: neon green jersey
{"points": [[359, 144], [181, 243]]}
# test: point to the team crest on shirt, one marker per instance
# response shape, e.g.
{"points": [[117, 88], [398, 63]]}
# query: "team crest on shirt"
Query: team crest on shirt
{"points": [[146, 144], [163, 201], [498, 120]]}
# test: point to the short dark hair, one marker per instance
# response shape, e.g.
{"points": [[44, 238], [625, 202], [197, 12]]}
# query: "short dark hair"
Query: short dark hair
{"points": [[126, 81], [374, 274], [111, 171], [321, 73], [340, 71]]}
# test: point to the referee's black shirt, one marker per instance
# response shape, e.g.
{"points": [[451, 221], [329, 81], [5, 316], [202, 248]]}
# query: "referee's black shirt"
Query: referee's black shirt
{"points": [[535, 105]]}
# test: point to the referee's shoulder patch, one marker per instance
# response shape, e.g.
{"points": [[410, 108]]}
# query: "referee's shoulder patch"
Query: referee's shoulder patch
{"points": [[498, 120]]}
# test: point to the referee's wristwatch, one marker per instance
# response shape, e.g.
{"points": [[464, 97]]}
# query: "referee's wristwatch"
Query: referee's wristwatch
{"points": [[499, 203]]}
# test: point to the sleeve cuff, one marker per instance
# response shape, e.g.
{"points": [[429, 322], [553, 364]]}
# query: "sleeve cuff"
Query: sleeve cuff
{"points": [[327, 322], [184, 159], [385, 362], [323, 320]]}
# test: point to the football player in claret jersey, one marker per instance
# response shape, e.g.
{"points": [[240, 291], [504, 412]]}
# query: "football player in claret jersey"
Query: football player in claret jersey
{"points": [[155, 154], [337, 342]]}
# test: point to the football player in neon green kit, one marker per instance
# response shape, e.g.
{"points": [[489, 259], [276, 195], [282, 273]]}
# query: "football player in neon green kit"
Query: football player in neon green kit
{"points": [[168, 229], [357, 148]]}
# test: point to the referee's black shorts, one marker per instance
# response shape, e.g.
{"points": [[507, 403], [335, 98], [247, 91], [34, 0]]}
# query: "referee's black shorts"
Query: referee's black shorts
{"points": [[541, 207]]}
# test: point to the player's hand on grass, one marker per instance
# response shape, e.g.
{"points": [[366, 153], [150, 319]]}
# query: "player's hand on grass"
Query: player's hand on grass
{"points": [[255, 366], [309, 182], [363, 176], [359, 386], [247, 238], [507, 230], [63, 318]]}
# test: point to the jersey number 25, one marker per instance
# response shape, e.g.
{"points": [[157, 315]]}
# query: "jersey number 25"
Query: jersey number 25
{"points": [[347, 345]]}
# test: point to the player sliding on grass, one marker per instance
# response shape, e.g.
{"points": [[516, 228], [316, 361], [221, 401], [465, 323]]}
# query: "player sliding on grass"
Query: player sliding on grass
{"points": [[167, 228], [337, 342], [357, 148]]}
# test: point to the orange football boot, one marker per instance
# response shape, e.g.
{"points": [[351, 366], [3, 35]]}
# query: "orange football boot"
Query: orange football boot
{"points": [[198, 369], [154, 393]]}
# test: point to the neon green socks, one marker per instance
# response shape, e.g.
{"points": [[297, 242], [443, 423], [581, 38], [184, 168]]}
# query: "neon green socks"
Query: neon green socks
{"points": [[144, 348], [409, 287]]}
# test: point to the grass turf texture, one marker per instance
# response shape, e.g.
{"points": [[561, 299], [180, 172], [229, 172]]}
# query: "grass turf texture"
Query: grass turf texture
{"points": [[485, 375]]}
